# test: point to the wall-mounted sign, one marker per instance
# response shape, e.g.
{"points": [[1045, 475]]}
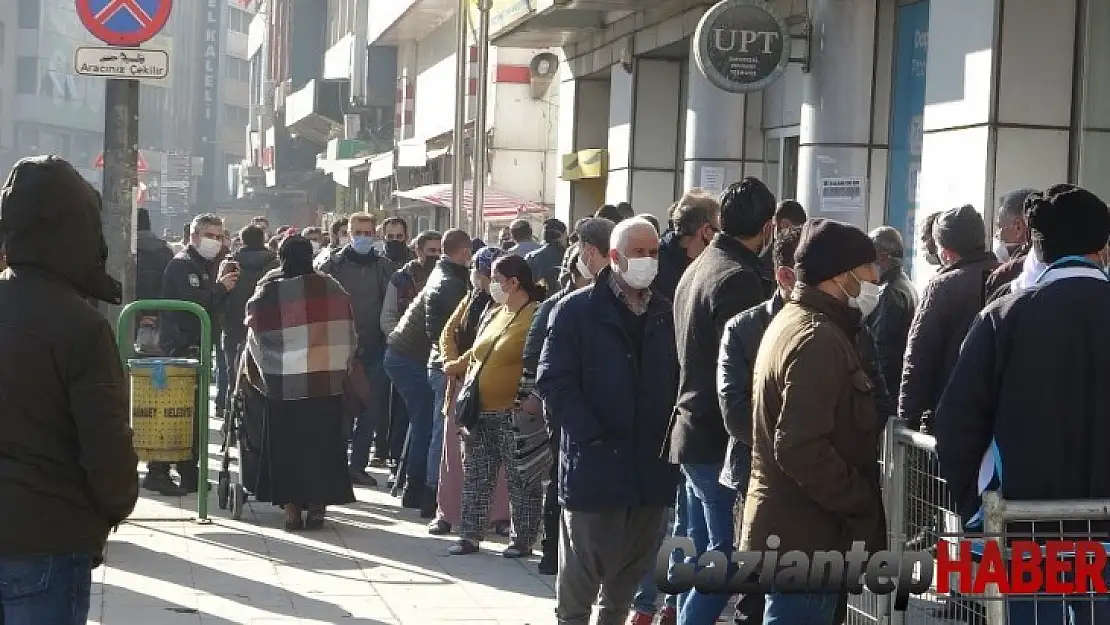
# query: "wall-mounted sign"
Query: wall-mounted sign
{"points": [[741, 45]]}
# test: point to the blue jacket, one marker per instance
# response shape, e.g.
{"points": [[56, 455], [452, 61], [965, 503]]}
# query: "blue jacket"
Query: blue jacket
{"points": [[614, 411]]}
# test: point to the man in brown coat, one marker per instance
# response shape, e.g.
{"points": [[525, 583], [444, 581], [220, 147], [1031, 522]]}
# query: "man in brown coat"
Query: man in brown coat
{"points": [[815, 474]]}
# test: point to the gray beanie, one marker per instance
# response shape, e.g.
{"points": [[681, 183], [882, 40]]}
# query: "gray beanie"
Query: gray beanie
{"points": [[961, 230]]}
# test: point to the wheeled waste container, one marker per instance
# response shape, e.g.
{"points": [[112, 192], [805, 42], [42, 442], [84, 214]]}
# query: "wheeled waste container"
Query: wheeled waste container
{"points": [[163, 407]]}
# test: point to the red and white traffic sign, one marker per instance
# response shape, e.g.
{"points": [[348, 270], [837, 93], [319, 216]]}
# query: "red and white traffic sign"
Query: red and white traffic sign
{"points": [[142, 166], [124, 22]]}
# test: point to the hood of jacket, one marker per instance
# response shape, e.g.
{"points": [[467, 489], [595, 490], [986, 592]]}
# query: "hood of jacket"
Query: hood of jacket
{"points": [[254, 259], [50, 219], [146, 241]]}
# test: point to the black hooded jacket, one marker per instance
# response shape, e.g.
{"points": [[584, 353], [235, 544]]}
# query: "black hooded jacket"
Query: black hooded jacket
{"points": [[67, 464], [253, 264]]}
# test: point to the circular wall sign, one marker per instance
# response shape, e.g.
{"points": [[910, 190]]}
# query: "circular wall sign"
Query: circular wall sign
{"points": [[741, 46]]}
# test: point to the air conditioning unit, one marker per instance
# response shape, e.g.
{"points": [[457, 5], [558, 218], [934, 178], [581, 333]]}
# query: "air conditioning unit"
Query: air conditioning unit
{"points": [[542, 71]]}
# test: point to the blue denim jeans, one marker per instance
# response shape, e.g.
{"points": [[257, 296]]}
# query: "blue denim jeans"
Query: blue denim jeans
{"points": [[689, 522], [648, 593], [410, 376], [45, 590], [808, 609], [437, 380], [365, 427], [715, 503]]}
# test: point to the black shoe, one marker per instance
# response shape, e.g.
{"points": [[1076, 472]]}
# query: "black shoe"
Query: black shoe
{"points": [[429, 504], [190, 483], [412, 498], [314, 519], [516, 551], [378, 463], [439, 527], [361, 478], [162, 484], [549, 564]]}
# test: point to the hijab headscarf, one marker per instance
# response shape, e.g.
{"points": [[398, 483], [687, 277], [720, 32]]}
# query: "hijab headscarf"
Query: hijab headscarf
{"points": [[295, 253]]}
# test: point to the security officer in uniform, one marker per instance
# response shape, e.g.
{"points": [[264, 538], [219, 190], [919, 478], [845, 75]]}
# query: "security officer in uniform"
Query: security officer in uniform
{"points": [[191, 276]]}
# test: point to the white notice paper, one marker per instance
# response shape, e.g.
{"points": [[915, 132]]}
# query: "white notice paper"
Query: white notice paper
{"points": [[712, 179], [841, 195]]}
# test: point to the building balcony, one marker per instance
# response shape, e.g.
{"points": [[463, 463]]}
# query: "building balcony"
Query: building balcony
{"points": [[315, 112], [397, 21]]}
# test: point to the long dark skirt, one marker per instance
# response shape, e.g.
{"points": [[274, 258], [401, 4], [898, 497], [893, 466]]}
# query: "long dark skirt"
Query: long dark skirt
{"points": [[303, 458]]}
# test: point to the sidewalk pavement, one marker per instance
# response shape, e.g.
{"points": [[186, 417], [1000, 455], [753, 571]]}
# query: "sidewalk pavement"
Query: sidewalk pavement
{"points": [[373, 563]]}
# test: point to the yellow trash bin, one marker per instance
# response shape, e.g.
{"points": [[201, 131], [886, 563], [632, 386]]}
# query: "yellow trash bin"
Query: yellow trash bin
{"points": [[163, 407]]}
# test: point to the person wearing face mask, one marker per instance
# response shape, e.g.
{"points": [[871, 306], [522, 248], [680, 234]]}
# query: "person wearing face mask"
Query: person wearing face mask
{"points": [[365, 275], [608, 376], [789, 213], [816, 426], [590, 256], [928, 243], [338, 239], [890, 323], [314, 236], [67, 465], [1028, 398], [695, 219], [192, 276], [725, 280], [1012, 246], [496, 362], [545, 261], [949, 303]]}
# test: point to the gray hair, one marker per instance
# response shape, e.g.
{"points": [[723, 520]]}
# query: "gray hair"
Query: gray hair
{"points": [[596, 232], [1012, 204], [618, 240], [204, 221], [889, 240]]}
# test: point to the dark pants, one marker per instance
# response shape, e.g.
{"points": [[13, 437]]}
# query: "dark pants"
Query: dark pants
{"points": [[221, 375], [367, 422], [551, 509], [45, 590], [399, 424], [410, 376], [231, 348], [188, 470]]}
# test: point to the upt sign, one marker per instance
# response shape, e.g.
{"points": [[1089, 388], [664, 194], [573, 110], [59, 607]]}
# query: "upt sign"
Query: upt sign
{"points": [[746, 37]]}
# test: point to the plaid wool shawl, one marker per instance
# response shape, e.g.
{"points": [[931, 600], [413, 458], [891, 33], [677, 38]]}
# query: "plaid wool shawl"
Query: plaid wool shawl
{"points": [[301, 335]]}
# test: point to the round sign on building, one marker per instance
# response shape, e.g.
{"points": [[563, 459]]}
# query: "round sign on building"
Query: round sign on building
{"points": [[741, 46]]}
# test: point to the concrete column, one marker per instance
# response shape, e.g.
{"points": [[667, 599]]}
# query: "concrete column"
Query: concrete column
{"points": [[583, 124], [564, 144], [721, 146], [986, 130], [622, 87], [836, 124], [656, 131]]}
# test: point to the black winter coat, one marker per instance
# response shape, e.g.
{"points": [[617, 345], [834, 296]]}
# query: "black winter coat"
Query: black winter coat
{"points": [[890, 324], [723, 281], [190, 278], [253, 264]]}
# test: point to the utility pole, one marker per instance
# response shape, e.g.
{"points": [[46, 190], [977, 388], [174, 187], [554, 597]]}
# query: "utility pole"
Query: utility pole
{"points": [[480, 150], [120, 183], [458, 148]]}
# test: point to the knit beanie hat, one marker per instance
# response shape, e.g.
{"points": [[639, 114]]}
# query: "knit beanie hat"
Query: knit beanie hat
{"points": [[483, 260], [829, 248], [961, 230], [1066, 220]]}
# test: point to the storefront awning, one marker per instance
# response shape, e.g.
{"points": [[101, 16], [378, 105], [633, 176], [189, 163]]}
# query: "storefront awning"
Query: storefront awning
{"points": [[379, 166], [497, 205]]}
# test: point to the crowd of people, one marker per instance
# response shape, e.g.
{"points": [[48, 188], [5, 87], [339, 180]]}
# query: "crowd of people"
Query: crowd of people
{"points": [[724, 377]]}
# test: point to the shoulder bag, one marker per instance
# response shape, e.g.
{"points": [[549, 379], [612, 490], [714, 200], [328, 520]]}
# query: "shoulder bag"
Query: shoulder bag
{"points": [[467, 404]]}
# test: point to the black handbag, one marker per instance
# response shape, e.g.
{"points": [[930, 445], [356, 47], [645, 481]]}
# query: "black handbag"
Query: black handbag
{"points": [[467, 406]]}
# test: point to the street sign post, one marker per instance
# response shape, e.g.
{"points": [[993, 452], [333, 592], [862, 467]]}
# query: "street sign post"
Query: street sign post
{"points": [[123, 63], [122, 24]]}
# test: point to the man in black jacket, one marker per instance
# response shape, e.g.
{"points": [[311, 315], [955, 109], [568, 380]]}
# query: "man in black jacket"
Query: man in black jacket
{"points": [[890, 322], [695, 218], [545, 262], [723, 281], [151, 257], [255, 260], [789, 213], [67, 464], [191, 277], [1028, 395]]}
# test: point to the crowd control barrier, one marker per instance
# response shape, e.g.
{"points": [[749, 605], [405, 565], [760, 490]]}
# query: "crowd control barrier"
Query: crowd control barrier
{"points": [[166, 394]]}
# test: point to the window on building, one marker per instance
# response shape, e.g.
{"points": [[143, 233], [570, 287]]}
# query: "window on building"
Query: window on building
{"points": [[29, 13], [1094, 136], [237, 69], [26, 75], [236, 116]]}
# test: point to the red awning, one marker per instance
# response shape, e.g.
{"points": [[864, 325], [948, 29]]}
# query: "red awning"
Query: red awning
{"points": [[497, 205]]}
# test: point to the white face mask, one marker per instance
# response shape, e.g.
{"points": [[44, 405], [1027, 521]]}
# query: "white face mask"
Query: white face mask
{"points": [[640, 272], [1001, 251], [498, 293], [868, 298], [584, 269], [209, 248]]}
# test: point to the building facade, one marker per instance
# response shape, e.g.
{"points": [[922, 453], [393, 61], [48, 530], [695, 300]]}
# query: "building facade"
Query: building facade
{"points": [[886, 111]]}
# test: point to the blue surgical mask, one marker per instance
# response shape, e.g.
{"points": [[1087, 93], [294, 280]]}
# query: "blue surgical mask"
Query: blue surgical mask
{"points": [[362, 244]]}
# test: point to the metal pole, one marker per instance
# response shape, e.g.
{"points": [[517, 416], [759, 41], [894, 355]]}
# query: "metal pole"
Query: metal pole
{"points": [[120, 182], [480, 119], [458, 148]]}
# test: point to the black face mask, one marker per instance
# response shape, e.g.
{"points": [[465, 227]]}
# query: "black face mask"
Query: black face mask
{"points": [[430, 261], [396, 251]]}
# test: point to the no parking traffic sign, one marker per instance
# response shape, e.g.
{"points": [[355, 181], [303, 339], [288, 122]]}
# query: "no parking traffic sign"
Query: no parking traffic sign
{"points": [[124, 22]]}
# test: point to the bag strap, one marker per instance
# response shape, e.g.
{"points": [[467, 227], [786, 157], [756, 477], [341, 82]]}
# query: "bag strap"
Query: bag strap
{"points": [[497, 340]]}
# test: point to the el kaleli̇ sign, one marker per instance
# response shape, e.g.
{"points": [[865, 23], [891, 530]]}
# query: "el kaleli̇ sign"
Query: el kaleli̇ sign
{"points": [[741, 46]]}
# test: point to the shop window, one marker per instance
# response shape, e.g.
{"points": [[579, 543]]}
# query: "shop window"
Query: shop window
{"points": [[26, 75], [1094, 139]]}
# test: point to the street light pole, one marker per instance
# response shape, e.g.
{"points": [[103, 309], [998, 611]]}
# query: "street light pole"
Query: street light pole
{"points": [[480, 137], [458, 147]]}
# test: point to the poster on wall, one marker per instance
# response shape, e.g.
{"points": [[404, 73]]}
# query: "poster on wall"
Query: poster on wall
{"points": [[712, 179], [906, 127], [842, 195]]}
